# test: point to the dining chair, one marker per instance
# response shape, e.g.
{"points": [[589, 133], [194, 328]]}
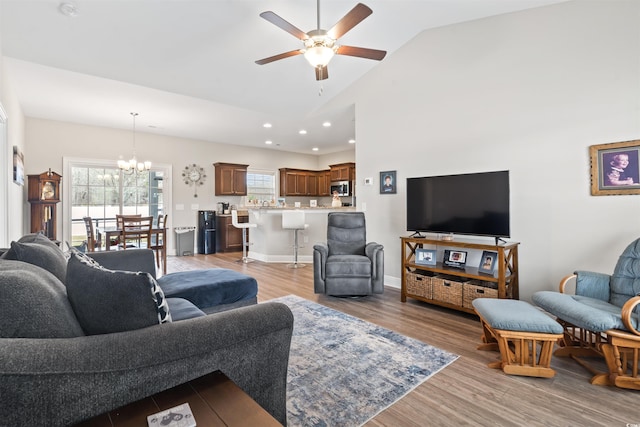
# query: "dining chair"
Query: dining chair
{"points": [[92, 243], [158, 243], [138, 230], [119, 225]]}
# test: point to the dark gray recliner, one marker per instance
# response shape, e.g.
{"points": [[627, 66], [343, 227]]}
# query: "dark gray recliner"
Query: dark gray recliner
{"points": [[348, 265]]}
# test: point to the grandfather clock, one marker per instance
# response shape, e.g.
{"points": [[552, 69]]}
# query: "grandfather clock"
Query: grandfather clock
{"points": [[43, 195]]}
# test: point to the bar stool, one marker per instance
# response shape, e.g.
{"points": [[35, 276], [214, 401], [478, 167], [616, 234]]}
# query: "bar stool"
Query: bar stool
{"points": [[294, 220], [244, 226]]}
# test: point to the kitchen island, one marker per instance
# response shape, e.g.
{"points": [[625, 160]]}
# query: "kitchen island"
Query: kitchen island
{"points": [[269, 242]]}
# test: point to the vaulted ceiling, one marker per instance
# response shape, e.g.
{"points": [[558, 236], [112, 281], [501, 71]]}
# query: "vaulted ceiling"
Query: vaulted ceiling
{"points": [[187, 66]]}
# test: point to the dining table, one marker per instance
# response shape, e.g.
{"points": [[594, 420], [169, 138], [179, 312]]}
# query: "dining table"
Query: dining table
{"points": [[113, 233]]}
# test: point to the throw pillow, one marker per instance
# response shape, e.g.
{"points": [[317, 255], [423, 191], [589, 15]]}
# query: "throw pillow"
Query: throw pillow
{"points": [[107, 301], [34, 304], [41, 252]]}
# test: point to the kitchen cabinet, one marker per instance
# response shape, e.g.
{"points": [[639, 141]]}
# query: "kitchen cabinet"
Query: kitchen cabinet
{"points": [[230, 179], [324, 183], [295, 182], [228, 237], [343, 172]]}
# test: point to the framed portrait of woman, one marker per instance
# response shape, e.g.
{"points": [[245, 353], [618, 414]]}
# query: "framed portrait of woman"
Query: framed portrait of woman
{"points": [[488, 262], [615, 168]]}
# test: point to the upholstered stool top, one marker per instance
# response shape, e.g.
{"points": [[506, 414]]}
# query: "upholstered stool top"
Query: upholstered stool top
{"points": [[515, 315], [210, 287]]}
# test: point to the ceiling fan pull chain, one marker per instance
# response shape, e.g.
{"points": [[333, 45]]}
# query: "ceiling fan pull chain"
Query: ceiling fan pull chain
{"points": [[321, 90]]}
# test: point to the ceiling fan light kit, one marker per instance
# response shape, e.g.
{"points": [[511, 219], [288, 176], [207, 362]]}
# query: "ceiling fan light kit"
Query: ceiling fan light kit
{"points": [[320, 45]]}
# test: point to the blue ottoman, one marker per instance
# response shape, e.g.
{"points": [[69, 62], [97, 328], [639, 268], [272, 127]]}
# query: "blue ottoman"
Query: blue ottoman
{"points": [[524, 335], [211, 290]]}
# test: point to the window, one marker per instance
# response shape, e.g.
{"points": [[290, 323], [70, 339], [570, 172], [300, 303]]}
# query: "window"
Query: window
{"points": [[102, 192], [261, 187]]}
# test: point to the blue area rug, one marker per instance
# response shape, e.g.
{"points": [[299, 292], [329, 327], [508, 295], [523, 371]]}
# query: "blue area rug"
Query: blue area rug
{"points": [[343, 371]]}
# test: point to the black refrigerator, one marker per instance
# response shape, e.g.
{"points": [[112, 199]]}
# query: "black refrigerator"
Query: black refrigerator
{"points": [[206, 232]]}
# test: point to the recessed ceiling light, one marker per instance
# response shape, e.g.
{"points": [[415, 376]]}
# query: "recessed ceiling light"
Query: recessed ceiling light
{"points": [[302, 132], [314, 149], [327, 124], [268, 142], [266, 125], [68, 9], [352, 141]]}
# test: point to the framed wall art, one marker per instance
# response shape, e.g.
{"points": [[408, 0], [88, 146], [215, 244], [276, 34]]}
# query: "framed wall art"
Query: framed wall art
{"points": [[487, 262], [426, 256], [615, 168], [388, 182], [18, 166]]}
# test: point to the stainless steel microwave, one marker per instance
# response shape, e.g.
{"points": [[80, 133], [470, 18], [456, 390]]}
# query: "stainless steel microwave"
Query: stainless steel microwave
{"points": [[342, 187]]}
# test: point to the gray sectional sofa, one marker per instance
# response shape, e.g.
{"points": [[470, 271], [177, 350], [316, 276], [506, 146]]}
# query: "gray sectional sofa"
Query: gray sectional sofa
{"points": [[77, 340]]}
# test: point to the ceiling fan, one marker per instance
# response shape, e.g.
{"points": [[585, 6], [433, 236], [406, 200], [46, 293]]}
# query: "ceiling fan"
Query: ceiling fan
{"points": [[320, 45]]}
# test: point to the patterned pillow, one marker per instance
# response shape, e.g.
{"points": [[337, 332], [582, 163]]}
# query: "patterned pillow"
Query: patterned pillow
{"points": [[38, 250], [107, 301]]}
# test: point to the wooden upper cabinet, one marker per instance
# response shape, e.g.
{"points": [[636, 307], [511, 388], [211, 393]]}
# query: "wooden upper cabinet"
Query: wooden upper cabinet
{"points": [[324, 183], [230, 179], [343, 172], [294, 182]]}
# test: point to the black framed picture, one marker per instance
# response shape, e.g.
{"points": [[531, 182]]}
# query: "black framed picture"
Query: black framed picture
{"points": [[456, 259], [488, 262], [426, 256], [388, 182]]}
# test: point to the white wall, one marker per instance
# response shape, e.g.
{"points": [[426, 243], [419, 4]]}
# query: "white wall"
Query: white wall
{"points": [[13, 211], [528, 92], [48, 142]]}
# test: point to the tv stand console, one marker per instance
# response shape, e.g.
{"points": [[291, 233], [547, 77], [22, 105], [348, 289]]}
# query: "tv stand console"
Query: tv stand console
{"points": [[456, 287]]}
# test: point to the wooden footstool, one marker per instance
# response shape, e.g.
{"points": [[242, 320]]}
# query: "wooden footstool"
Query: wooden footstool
{"points": [[524, 335]]}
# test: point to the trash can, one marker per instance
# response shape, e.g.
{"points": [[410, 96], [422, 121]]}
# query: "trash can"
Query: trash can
{"points": [[184, 240]]}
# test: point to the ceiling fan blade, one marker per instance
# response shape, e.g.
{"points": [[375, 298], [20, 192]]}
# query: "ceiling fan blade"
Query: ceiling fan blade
{"points": [[285, 25], [322, 73], [350, 20], [362, 52], [279, 56]]}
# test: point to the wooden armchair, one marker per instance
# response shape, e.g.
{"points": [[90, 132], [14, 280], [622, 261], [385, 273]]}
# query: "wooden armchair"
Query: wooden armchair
{"points": [[600, 319]]}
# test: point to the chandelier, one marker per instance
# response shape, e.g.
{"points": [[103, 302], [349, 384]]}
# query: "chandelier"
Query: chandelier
{"points": [[132, 165]]}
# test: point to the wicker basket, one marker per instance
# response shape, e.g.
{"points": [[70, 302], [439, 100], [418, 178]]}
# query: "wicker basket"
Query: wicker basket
{"points": [[419, 285], [447, 290], [477, 289]]}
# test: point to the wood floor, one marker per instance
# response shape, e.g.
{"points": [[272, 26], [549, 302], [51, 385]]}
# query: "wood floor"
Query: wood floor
{"points": [[466, 393]]}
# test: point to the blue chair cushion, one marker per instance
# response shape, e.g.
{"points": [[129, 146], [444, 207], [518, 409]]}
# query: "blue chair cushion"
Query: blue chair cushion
{"points": [[515, 315], [210, 287], [585, 312]]}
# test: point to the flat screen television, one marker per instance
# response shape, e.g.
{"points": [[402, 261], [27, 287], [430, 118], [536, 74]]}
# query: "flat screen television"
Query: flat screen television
{"points": [[474, 204]]}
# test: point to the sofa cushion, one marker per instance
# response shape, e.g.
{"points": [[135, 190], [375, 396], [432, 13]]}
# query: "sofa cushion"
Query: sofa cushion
{"points": [[182, 309], [40, 251], [107, 301], [34, 304]]}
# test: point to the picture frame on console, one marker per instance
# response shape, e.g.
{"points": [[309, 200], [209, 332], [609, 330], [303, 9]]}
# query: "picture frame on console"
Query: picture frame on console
{"points": [[425, 257], [615, 168], [488, 262], [455, 259]]}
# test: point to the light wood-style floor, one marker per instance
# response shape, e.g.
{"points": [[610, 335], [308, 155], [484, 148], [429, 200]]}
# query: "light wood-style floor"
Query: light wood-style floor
{"points": [[466, 393]]}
